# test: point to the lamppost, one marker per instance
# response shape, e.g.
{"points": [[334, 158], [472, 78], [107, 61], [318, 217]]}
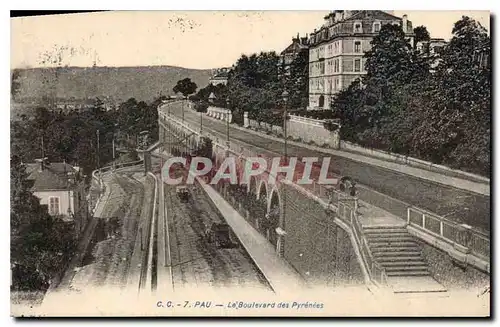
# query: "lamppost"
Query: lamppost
{"points": [[113, 145], [227, 122], [285, 116], [282, 227], [184, 107]]}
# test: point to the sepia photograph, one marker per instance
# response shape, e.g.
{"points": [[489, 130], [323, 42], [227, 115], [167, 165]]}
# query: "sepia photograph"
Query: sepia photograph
{"points": [[320, 163]]}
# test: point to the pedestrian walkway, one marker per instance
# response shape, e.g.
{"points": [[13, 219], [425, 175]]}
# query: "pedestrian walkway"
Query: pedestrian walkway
{"points": [[370, 215]]}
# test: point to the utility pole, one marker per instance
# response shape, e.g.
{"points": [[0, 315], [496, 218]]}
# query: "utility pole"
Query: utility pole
{"points": [[43, 152], [113, 142], [98, 152], [201, 122], [183, 107]]}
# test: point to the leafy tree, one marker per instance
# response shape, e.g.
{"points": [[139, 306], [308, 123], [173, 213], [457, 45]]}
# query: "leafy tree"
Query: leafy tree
{"points": [[253, 83], [297, 82], [14, 83], [185, 86], [40, 244], [457, 119], [421, 34]]}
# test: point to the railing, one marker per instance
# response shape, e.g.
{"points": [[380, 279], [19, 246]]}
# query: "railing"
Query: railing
{"points": [[473, 241], [348, 215]]}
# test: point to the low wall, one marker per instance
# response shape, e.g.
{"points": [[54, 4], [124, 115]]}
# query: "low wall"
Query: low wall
{"points": [[451, 274], [313, 130], [398, 158], [220, 113], [316, 246], [306, 129]]}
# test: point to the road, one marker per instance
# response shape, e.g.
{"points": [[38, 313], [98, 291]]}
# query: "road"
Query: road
{"points": [[196, 263], [114, 257], [388, 189]]}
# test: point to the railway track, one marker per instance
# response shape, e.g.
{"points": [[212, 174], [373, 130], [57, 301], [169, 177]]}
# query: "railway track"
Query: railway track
{"points": [[114, 258], [194, 262]]}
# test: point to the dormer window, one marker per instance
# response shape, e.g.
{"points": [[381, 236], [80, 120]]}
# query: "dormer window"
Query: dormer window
{"points": [[376, 27], [358, 27]]}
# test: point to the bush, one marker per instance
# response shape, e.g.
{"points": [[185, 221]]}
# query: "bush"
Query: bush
{"points": [[331, 125], [201, 106]]}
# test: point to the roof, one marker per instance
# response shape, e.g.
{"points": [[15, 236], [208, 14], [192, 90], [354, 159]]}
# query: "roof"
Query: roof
{"points": [[221, 75], [372, 14], [54, 176], [294, 47]]}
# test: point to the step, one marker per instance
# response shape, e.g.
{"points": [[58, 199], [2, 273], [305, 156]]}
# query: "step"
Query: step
{"points": [[407, 273], [370, 235], [425, 285], [404, 264], [407, 268], [400, 244], [377, 229], [390, 239], [391, 258], [395, 249]]}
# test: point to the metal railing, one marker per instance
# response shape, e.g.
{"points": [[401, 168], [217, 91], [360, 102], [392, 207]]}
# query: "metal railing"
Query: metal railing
{"points": [[347, 214], [474, 241]]}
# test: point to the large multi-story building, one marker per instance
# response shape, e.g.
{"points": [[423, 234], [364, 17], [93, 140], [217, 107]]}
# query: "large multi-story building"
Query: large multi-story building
{"points": [[336, 50]]}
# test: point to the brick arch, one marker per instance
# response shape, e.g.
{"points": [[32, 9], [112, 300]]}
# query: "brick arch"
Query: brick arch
{"points": [[262, 185], [274, 216], [275, 198], [252, 185]]}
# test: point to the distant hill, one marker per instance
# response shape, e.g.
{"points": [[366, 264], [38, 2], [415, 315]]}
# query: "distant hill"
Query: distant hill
{"points": [[118, 83]]}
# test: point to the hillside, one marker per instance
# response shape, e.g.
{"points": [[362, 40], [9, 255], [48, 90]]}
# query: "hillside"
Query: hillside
{"points": [[118, 83]]}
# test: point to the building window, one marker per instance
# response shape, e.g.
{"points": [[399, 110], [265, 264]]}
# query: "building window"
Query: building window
{"points": [[357, 46], [376, 27], [357, 65], [358, 28], [54, 206]]}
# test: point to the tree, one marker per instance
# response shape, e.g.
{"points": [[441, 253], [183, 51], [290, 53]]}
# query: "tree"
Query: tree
{"points": [[297, 82], [457, 118], [15, 85], [391, 60], [40, 244], [421, 34], [253, 83], [185, 86]]}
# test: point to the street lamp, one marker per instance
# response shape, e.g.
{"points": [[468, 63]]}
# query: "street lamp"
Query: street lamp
{"points": [[285, 116], [227, 121]]}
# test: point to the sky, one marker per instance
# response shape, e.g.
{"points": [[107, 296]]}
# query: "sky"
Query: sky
{"points": [[191, 39]]}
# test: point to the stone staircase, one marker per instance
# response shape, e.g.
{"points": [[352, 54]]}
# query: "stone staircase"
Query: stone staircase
{"points": [[400, 255]]}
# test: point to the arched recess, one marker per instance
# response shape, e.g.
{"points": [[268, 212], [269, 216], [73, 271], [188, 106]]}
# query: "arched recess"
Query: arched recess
{"points": [[261, 204], [262, 186], [273, 217]]}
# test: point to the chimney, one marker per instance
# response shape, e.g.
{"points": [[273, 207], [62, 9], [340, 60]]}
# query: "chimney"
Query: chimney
{"points": [[41, 163], [405, 23]]}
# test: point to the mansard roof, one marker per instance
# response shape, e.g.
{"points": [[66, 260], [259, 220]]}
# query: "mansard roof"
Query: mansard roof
{"points": [[372, 15]]}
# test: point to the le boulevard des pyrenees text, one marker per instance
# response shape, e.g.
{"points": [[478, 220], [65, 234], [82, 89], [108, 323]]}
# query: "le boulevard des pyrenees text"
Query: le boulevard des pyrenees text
{"points": [[240, 305]]}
